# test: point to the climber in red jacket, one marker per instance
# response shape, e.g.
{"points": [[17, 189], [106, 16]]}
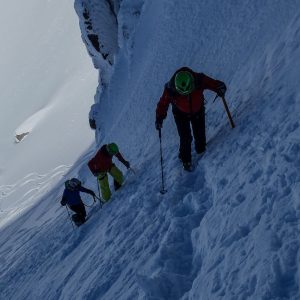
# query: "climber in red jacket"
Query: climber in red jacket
{"points": [[102, 164], [185, 92]]}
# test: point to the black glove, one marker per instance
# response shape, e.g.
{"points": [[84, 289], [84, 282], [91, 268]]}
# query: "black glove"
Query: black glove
{"points": [[62, 202], [158, 124], [221, 89], [127, 164]]}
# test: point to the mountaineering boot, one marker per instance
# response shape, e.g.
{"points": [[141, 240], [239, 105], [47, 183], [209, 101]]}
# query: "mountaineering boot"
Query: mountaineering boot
{"points": [[78, 219], [187, 166], [200, 148]]}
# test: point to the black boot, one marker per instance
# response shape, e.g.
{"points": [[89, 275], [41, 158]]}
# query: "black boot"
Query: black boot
{"points": [[187, 166], [78, 219], [200, 148]]}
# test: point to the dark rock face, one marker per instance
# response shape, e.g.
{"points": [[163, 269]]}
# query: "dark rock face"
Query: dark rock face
{"points": [[20, 137], [99, 28]]}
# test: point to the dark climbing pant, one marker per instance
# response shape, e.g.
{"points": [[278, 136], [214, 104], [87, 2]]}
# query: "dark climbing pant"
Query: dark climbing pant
{"points": [[183, 122], [79, 209]]}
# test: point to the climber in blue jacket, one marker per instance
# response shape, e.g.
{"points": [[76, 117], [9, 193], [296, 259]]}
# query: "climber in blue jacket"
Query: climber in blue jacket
{"points": [[71, 197]]}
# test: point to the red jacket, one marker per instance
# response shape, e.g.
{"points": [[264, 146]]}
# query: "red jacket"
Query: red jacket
{"points": [[102, 161], [191, 103]]}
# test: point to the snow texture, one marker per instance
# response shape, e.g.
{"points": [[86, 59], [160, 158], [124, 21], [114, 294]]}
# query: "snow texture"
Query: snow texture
{"points": [[47, 84], [228, 230]]}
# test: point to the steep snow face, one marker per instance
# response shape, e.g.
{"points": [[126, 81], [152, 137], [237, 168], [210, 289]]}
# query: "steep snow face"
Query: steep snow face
{"points": [[107, 26], [47, 84], [247, 244], [217, 39], [230, 229]]}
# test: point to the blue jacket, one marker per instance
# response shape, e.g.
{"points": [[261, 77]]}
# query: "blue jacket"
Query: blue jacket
{"points": [[73, 197]]}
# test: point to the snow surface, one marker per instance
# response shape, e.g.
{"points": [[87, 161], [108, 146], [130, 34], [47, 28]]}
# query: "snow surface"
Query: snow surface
{"points": [[47, 84], [230, 229]]}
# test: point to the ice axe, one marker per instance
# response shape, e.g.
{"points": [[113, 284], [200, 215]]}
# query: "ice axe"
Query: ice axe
{"points": [[227, 110]]}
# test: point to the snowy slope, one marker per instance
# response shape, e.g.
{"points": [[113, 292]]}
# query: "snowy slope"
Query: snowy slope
{"points": [[230, 229], [47, 85]]}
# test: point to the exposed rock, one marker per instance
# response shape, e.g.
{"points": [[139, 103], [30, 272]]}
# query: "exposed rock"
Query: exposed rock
{"points": [[20, 137]]}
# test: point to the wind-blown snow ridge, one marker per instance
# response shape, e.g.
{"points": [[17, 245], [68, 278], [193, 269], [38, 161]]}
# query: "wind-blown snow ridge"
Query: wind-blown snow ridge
{"points": [[230, 229], [47, 84], [22, 195]]}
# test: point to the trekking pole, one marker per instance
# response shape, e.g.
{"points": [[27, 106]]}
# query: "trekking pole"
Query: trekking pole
{"points": [[70, 218], [228, 112], [98, 187], [162, 190], [99, 198]]}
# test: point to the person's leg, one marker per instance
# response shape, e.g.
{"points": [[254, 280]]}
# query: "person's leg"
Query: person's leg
{"points": [[184, 130], [198, 125], [117, 176], [80, 211], [104, 186]]}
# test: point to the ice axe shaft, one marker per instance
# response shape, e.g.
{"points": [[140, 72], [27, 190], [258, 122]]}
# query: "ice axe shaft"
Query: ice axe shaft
{"points": [[228, 112]]}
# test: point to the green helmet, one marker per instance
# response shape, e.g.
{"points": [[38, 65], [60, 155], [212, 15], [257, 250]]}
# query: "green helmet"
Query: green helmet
{"points": [[112, 148], [184, 82]]}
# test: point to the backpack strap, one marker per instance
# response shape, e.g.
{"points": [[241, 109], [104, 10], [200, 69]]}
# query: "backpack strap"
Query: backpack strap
{"points": [[198, 77]]}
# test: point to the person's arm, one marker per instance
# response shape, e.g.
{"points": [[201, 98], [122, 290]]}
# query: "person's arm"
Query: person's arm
{"points": [[162, 108], [123, 160], [88, 191], [216, 86]]}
